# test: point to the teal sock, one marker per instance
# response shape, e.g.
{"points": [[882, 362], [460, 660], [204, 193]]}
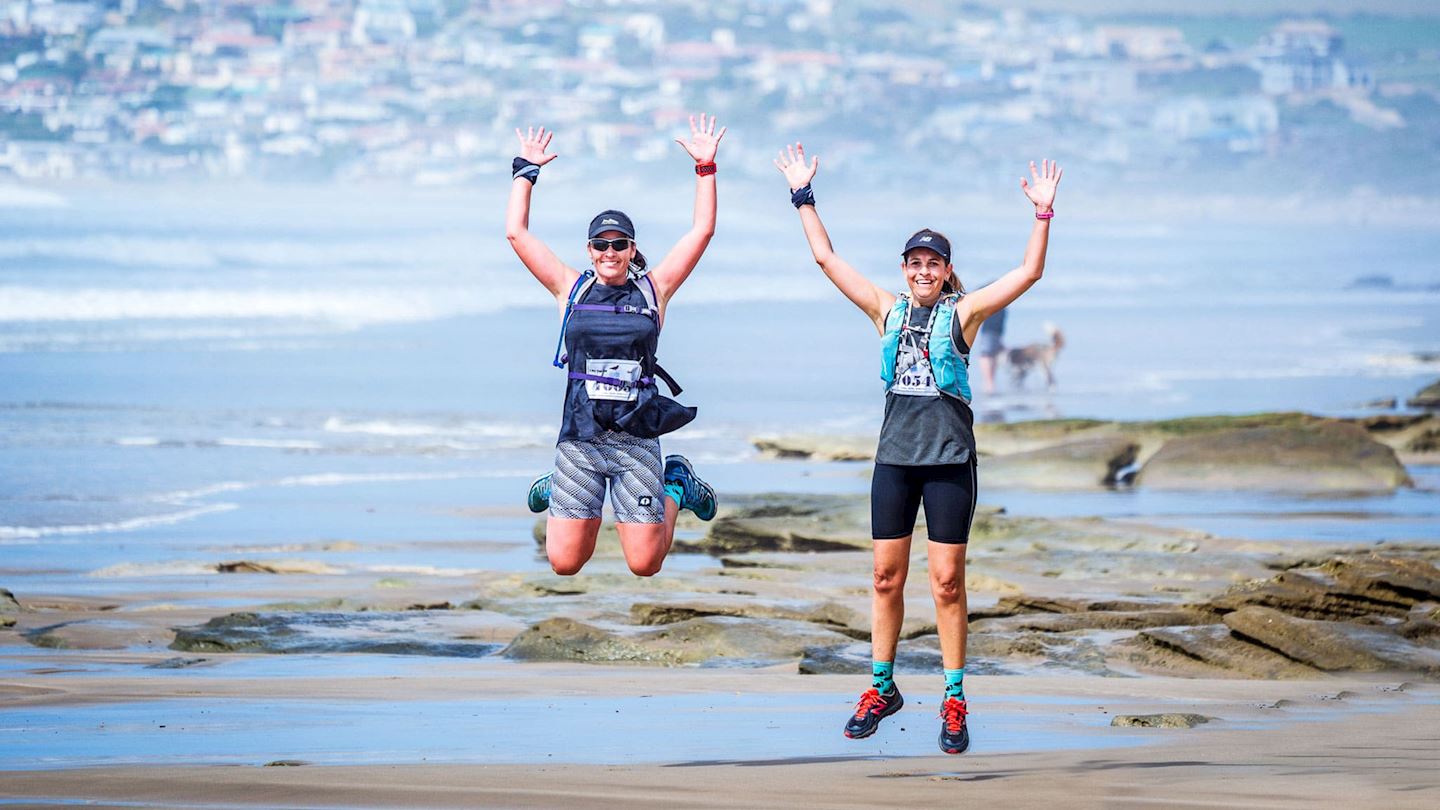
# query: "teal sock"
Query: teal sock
{"points": [[676, 493], [882, 676], [955, 683]]}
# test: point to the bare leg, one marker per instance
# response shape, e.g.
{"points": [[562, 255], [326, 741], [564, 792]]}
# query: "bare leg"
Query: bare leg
{"points": [[987, 373], [892, 563], [947, 585], [569, 543], [646, 544]]}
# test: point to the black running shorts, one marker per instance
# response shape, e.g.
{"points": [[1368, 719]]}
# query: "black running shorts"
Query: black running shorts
{"points": [[947, 490]]}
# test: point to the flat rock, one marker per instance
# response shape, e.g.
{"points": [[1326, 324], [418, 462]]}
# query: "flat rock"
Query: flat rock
{"points": [[1089, 463], [921, 655], [713, 640], [1341, 588], [8, 603], [1090, 620], [1168, 720], [832, 615], [1427, 397], [93, 634], [385, 633], [787, 523], [276, 567], [1056, 652], [1202, 649], [1325, 455], [1018, 604], [1333, 646], [817, 446]]}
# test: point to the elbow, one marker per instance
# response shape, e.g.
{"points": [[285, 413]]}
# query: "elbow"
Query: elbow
{"points": [[514, 234]]}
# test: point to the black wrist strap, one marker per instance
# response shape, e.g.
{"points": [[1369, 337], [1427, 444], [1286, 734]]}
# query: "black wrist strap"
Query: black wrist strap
{"points": [[520, 167], [802, 196]]}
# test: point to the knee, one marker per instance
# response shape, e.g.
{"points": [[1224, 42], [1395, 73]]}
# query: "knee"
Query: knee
{"points": [[948, 590], [646, 569], [566, 568], [889, 581]]}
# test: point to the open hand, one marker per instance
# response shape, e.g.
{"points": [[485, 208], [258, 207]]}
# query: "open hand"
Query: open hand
{"points": [[1041, 189], [704, 140], [791, 163], [533, 144]]}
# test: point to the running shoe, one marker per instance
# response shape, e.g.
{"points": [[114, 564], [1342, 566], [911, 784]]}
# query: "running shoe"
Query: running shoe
{"points": [[872, 708], [539, 499], [698, 496], [954, 736]]}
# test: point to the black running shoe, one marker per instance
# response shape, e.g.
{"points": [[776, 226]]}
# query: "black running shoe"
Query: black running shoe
{"points": [[872, 708], [954, 736]]}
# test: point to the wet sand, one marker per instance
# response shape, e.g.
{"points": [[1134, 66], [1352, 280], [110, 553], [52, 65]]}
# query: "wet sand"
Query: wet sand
{"points": [[470, 733]]}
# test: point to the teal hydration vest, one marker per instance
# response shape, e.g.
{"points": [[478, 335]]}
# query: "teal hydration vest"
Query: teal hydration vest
{"points": [[950, 368]]}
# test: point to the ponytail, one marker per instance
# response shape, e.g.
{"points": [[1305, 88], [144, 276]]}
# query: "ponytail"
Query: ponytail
{"points": [[637, 264]]}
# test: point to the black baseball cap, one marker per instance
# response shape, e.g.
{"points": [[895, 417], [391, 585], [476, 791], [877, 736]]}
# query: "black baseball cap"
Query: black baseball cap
{"points": [[611, 221], [930, 240]]}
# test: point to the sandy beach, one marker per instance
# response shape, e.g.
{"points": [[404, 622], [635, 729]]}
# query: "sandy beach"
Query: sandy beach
{"points": [[1270, 744], [1129, 659]]}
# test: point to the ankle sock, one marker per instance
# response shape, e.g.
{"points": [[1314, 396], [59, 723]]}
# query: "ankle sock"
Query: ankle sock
{"points": [[676, 493], [882, 676], [955, 683]]}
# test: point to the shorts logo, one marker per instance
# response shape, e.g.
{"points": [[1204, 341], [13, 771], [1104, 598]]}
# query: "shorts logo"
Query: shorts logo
{"points": [[645, 500]]}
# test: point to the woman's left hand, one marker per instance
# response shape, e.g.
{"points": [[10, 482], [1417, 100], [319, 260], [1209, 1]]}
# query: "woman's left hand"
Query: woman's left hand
{"points": [[704, 140], [1042, 190]]}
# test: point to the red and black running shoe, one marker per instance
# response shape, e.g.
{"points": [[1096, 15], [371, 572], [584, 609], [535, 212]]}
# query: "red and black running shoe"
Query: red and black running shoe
{"points": [[954, 736], [872, 708]]}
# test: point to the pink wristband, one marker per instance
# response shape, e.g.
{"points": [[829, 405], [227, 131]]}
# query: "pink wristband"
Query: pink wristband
{"points": [[1047, 215]]}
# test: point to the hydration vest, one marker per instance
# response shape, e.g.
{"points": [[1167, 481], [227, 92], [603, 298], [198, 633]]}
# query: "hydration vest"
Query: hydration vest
{"points": [[608, 338], [948, 367]]}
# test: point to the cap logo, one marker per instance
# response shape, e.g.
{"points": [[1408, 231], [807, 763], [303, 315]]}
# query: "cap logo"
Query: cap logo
{"points": [[608, 221], [924, 239]]}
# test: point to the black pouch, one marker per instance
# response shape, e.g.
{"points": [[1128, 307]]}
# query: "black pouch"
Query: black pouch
{"points": [[654, 415]]}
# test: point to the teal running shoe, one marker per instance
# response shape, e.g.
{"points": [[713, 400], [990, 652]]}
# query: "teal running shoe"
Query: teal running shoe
{"points": [[539, 499], [699, 497]]}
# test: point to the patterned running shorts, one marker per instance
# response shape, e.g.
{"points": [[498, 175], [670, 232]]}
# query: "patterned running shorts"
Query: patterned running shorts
{"points": [[630, 465]]}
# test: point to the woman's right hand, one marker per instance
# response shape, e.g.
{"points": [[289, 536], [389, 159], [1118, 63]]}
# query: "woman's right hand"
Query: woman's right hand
{"points": [[533, 144], [791, 163]]}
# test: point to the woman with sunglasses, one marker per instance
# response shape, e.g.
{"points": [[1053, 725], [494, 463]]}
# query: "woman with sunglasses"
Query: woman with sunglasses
{"points": [[614, 413], [926, 451]]}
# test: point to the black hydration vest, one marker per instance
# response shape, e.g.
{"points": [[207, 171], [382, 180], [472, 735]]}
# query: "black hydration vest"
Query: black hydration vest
{"points": [[610, 335]]}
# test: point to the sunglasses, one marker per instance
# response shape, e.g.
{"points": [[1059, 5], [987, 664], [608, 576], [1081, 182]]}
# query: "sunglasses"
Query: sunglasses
{"points": [[602, 245]]}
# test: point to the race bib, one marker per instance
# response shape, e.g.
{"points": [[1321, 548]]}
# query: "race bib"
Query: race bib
{"points": [[626, 370], [913, 377]]}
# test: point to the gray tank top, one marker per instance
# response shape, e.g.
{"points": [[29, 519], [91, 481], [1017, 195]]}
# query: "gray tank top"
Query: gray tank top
{"points": [[924, 428]]}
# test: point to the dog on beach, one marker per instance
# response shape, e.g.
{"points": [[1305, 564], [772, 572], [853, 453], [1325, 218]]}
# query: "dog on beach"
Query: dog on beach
{"points": [[1024, 359]]}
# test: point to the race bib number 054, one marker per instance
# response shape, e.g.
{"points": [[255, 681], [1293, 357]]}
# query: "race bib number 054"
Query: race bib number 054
{"points": [[625, 370]]}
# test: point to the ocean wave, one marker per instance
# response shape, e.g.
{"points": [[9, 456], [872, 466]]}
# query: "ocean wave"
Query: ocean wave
{"points": [[131, 524], [415, 429], [22, 197], [349, 306], [200, 253]]}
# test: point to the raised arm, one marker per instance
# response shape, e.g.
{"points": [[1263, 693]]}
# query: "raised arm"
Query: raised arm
{"points": [[539, 259], [988, 300], [677, 264], [871, 300]]}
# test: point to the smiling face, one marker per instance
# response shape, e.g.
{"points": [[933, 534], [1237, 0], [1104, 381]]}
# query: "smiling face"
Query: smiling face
{"points": [[611, 265], [925, 273]]}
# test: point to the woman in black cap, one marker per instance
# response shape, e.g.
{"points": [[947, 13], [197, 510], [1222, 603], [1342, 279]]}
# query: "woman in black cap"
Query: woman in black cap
{"points": [[926, 452], [614, 413]]}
